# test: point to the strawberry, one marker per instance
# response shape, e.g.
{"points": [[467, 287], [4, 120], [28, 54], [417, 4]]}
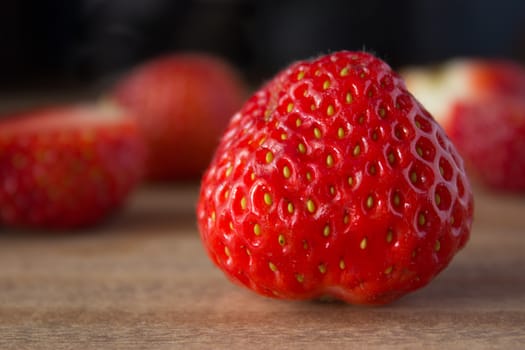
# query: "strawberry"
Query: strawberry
{"points": [[183, 103], [481, 106], [332, 180], [66, 166]]}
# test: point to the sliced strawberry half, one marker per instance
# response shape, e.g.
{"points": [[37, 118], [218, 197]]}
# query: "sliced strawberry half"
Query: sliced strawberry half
{"points": [[491, 135], [481, 105], [67, 166]]}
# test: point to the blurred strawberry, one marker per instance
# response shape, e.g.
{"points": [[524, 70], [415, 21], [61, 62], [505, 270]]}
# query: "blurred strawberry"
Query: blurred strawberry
{"points": [[183, 103], [67, 167], [481, 105]]}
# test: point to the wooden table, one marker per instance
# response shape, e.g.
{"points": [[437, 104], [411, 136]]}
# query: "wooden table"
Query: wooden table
{"points": [[143, 280]]}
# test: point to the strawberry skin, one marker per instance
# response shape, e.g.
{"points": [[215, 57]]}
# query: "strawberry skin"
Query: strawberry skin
{"points": [[333, 180], [183, 103], [67, 166]]}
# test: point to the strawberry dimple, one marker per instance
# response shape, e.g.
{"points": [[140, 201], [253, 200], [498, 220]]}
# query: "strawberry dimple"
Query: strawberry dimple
{"points": [[331, 180]]}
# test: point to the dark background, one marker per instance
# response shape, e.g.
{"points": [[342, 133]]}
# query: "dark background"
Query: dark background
{"points": [[51, 44]]}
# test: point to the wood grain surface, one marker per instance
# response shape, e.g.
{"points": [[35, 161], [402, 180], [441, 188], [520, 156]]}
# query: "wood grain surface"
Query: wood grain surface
{"points": [[142, 280]]}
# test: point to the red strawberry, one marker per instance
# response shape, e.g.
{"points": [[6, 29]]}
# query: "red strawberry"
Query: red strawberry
{"points": [[183, 103], [481, 105], [333, 180], [66, 167]]}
